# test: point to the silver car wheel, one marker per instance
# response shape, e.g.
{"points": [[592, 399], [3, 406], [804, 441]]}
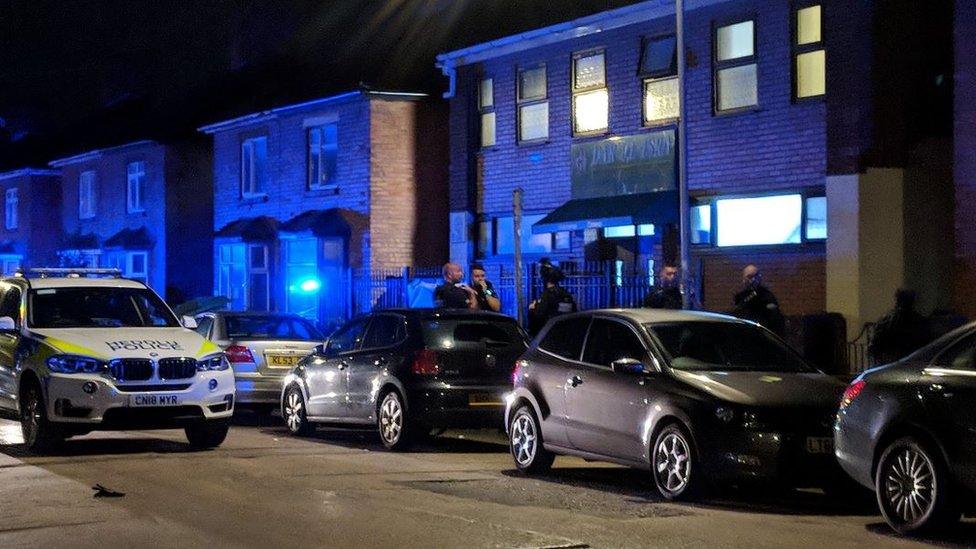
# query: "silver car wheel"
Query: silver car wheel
{"points": [[391, 419], [293, 411], [909, 485], [524, 440], [672, 463], [31, 420]]}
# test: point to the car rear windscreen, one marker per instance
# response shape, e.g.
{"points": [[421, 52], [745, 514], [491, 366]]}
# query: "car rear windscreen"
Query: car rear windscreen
{"points": [[271, 327], [728, 346], [447, 333]]}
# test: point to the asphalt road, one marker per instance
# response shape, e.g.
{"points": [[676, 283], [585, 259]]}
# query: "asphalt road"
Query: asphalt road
{"points": [[263, 488]]}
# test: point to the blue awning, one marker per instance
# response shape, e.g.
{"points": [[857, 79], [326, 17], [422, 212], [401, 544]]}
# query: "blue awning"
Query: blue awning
{"points": [[658, 208]]}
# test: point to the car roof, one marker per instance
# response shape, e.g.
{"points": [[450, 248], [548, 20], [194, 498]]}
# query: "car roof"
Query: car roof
{"points": [[80, 282], [255, 313], [443, 312], [661, 316]]}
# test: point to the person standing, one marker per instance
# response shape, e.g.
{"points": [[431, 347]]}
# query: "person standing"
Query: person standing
{"points": [[485, 293], [667, 293], [554, 301], [453, 294], [757, 303], [900, 332]]}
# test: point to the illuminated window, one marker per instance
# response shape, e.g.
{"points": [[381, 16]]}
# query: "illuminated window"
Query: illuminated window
{"points": [[232, 274], [591, 100], [701, 224], [86, 195], [759, 220], [809, 56], [136, 186], [254, 166], [628, 231], [323, 155], [134, 265], [816, 218], [531, 243], [10, 208], [533, 107], [735, 79], [562, 240], [659, 69], [486, 108]]}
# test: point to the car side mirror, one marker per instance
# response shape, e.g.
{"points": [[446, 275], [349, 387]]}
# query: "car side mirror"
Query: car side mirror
{"points": [[628, 366], [189, 322], [7, 324], [319, 349]]}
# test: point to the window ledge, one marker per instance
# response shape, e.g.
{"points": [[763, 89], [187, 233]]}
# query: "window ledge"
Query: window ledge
{"points": [[535, 143], [735, 112], [251, 198], [334, 189], [811, 246]]}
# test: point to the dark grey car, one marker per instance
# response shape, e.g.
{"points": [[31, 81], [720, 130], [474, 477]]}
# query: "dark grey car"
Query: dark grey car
{"points": [[689, 396], [908, 431]]}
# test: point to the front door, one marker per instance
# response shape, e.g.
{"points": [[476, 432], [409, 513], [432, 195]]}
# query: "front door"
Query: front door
{"points": [[332, 269], [326, 372], [607, 409]]}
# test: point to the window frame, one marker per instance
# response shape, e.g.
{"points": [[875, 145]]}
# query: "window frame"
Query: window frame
{"points": [[402, 333], [90, 182], [493, 240], [648, 349], [647, 77], [575, 92], [140, 207], [566, 318], [796, 50], [711, 200], [718, 66], [262, 270], [322, 148], [483, 110], [11, 208], [521, 103], [249, 184]]}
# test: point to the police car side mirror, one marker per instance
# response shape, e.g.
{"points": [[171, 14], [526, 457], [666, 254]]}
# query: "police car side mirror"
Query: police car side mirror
{"points": [[7, 324], [189, 322]]}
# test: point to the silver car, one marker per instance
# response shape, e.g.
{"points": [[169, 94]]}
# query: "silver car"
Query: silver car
{"points": [[261, 347]]}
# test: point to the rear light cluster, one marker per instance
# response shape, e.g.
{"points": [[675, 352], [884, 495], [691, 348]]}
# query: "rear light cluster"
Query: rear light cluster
{"points": [[425, 363], [238, 353], [517, 372], [851, 393]]}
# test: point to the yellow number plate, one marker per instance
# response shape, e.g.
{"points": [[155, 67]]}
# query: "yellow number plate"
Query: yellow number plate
{"points": [[484, 399], [283, 361]]}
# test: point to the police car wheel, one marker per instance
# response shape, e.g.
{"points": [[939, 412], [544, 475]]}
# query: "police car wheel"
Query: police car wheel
{"points": [[206, 434], [39, 434]]}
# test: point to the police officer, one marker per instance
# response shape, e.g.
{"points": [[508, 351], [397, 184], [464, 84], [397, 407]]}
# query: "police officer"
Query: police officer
{"points": [[756, 303], [900, 332], [554, 301], [667, 293], [485, 293], [453, 294]]}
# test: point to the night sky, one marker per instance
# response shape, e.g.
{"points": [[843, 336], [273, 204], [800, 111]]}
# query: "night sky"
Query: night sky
{"points": [[80, 74]]}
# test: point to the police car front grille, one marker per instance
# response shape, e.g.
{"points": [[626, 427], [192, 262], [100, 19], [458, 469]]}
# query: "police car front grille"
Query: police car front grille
{"points": [[131, 369], [177, 368]]}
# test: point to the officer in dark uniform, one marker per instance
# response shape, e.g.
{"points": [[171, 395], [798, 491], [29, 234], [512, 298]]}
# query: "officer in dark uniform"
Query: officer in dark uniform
{"points": [[485, 293], [452, 294], [554, 301], [900, 332], [756, 303], [666, 294]]}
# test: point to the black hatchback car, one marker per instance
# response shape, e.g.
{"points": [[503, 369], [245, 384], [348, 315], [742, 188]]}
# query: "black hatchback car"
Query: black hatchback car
{"points": [[407, 371], [692, 397], [908, 431]]}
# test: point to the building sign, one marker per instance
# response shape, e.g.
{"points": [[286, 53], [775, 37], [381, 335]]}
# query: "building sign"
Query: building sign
{"points": [[624, 165]]}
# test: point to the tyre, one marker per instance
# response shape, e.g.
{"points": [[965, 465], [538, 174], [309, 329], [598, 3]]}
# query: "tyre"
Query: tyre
{"points": [[392, 422], [674, 464], [206, 434], [39, 434], [293, 412], [525, 442], [913, 488]]}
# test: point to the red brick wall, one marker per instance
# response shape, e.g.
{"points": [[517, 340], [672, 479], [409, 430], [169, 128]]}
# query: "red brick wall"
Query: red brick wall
{"points": [[797, 279]]}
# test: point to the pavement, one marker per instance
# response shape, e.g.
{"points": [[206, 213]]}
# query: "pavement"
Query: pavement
{"points": [[264, 488]]}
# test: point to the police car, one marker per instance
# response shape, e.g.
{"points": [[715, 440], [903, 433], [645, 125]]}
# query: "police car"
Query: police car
{"points": [[84, 349]]}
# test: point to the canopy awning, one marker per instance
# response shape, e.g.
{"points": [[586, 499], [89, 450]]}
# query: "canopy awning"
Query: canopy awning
{"points": [[334, 222], [130, 239], [251, 229], [659, 208]]}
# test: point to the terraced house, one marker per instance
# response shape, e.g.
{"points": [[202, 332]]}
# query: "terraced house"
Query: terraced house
{"points": [[812, 151], [29, 231], [309, 197], [139, 207]]}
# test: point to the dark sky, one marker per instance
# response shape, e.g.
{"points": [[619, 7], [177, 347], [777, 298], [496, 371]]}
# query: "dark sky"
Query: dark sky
{"points": [[83, 74]]}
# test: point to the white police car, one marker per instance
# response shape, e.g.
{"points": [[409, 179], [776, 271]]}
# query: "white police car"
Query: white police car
{"points": [[79, 353]]}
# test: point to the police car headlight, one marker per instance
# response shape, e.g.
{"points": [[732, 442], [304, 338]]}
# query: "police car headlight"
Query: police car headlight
{"points": [[213, 363], [68, 364]]}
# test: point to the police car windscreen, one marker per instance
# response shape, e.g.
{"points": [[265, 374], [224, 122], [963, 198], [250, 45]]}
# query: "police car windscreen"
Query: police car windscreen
{"points": [[98, 308], [728, 346], [256, 327]]}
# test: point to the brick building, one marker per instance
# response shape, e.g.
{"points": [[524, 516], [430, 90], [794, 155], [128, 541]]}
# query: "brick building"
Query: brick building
{"points": [[140, 207], [29, 234], [965, 157], [307, 194], [812, 150]]}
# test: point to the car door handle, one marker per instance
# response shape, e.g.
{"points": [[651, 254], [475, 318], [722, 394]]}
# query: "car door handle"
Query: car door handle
{"points": [[343, 365], [381, 361], [575, 381]]}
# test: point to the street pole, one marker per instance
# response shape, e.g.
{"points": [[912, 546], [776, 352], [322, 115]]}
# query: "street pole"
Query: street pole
{"points": [[683, 205], [517, 226]]}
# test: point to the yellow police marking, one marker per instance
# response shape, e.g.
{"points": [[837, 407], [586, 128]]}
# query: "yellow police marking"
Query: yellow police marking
{"points": [[770, 379], [71, 348], [208, 347]]}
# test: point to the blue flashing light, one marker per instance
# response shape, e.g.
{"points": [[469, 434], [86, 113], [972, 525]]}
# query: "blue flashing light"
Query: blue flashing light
{"points": [[310, 285]]}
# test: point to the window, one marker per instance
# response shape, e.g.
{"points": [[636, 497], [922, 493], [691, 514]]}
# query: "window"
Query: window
{"points": [[254, 166], [323, 152], [628, 231], [486, 108], [816, 218], [257, 278], [533, 108], [10, 208], [565, 337], [384, 331], [809, 56], [701, 224], [86, 195], [659, 69], [231, 274], [562, 240], [245, 326], [735, 77], [204, 323], [10, 263], [10, 304], [609, 341], [302, 276], [98, 307], [346, 338], [728, 346], [591, 100], [531, 243], [136, 186], [961, 356], [759, 220], [134, 265]]}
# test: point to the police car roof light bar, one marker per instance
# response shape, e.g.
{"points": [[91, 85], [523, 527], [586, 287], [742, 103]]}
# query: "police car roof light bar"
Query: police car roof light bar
{"points": [[75, 273]]}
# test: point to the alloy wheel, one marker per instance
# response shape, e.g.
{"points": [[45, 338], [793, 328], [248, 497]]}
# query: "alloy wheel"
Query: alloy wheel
{"points": [[391, 419], [523, 440], [672, 462], [909, 485], [31, 418], [293, 411]]}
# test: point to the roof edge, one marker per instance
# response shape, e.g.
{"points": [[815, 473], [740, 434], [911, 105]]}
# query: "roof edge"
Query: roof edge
{"points": [[96, 153], [28, 172]]}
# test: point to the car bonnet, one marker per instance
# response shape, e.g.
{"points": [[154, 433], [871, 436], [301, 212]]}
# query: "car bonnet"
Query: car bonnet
{"points": [[104, 343]]}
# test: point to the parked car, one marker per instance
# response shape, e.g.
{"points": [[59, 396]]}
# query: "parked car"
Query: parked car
{"points": [[407, 371], [79, 354], [691, 397], [908, 431], [262, 347]]}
